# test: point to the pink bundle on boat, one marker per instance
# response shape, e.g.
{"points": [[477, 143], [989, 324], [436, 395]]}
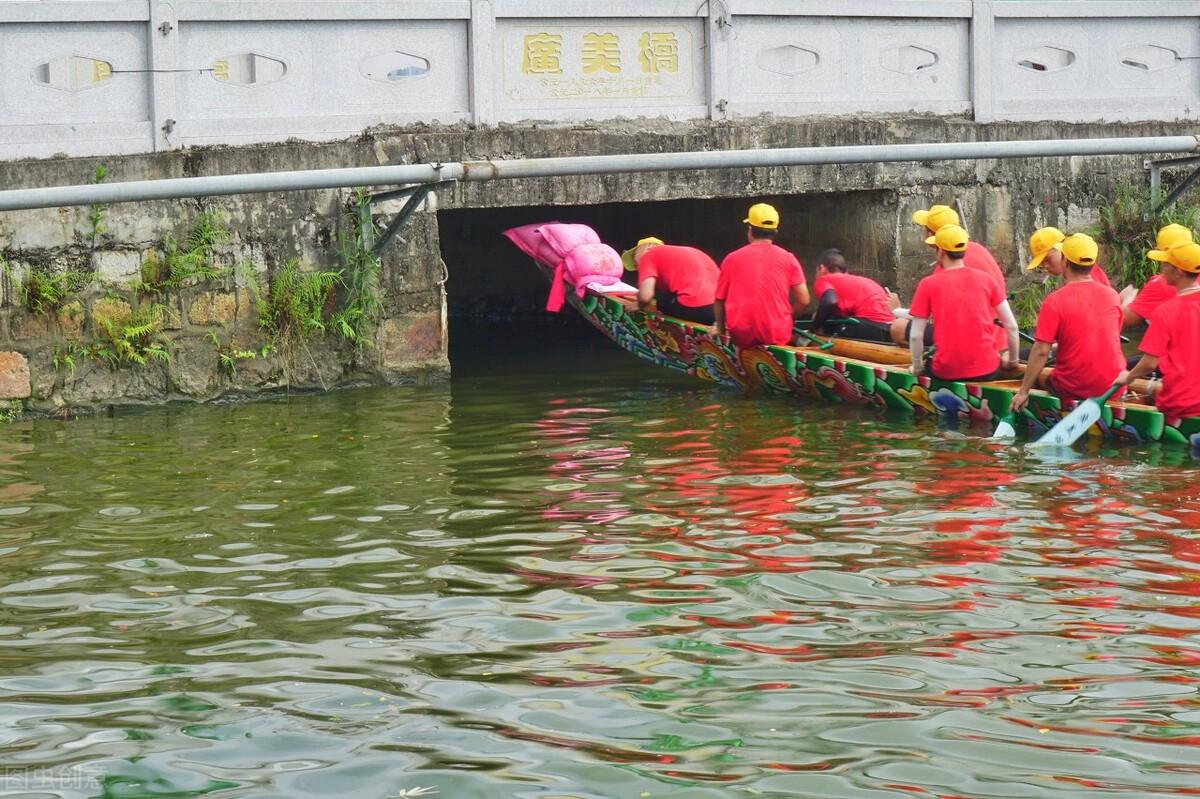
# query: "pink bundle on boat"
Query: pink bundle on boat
{"points": [[575, 252]]}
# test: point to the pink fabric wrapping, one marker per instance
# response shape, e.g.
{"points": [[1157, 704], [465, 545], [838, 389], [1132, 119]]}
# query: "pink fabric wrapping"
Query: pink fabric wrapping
{"points": [[593, 263], [530, 241], [575, 252], [558, 289], [564, 238]]}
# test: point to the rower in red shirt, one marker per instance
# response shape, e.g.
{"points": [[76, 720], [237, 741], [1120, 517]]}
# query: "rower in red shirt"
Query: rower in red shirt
{"points": [[680, 281], [1084, 319], [839, 293], [761, 287], [963, 303], [976, 257], [1046, 247], [1156, 291], [1172, 342]]}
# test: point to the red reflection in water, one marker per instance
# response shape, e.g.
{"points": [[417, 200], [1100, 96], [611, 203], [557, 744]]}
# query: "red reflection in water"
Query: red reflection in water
{"points": [[724, 501]]}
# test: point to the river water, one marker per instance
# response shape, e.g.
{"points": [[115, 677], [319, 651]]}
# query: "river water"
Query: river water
{"points": [[569, 574]]}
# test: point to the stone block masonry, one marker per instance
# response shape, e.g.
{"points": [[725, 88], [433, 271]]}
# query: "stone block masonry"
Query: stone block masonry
{"points": [[107, 334], [208, 326]]}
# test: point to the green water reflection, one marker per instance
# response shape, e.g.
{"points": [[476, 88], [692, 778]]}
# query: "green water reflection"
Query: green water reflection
{"points": [[571, 575]]}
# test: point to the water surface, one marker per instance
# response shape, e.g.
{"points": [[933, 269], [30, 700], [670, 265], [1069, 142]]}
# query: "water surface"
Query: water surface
{"points": [[569, 574]]}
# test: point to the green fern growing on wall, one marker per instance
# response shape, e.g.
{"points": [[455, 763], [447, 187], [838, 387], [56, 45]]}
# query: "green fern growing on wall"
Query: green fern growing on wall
{"points": [[296, 304], [360, 268], [130, 335], [191, 260], [43, 292]]}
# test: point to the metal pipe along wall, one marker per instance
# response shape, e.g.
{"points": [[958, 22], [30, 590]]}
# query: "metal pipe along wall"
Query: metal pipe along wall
{"points": [[173, 188]]}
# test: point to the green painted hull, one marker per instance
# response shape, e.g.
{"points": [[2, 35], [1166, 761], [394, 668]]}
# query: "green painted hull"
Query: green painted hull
{"points": [[690, 348]]}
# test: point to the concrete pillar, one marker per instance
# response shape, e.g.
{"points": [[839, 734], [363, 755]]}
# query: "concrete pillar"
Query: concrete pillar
{"points": [[983, 38], [163, 48], [482, 67]]}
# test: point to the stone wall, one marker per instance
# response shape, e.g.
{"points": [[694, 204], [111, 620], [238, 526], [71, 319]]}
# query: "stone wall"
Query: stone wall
{"points": [[49, 361], [863, 208]]}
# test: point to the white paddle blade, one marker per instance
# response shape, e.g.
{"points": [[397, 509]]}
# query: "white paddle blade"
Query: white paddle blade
{"points": [[1068, 431], [1004, 430]]}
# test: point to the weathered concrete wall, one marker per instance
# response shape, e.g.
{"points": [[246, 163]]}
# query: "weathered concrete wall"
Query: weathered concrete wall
{"points": [[203, 318], [863, 208]]}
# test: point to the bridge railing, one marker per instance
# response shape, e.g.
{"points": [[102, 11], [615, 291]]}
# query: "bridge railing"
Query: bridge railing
{"points": [[97, 77]]}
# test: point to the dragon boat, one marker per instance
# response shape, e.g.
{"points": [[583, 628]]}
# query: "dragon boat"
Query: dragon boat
{"points": [[853, 372]]}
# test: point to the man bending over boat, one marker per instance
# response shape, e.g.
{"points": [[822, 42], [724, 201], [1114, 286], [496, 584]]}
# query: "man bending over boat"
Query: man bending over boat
{"points": [[1172, 342], [761, 288], [1084, 319], [681, 281], [841, 294], [963, 302]]}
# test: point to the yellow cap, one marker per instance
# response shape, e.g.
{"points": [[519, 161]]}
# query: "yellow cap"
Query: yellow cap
{"points": [[629, 259], [763, 216], [1042, 242], [950, 238], [1080, 249], [1185, 256], [1171, 235], [935, 217]]}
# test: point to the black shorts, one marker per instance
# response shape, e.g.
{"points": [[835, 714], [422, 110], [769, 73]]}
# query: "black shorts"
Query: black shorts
{"points": [[669, 304], [861, 330]]}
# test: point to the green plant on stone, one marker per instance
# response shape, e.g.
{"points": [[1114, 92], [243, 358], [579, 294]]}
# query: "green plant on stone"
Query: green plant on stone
{"points": [[360, 269], [10, 411], [70, 355], [44, 293], [96, 211], [65, 355], [193, 260], [1126, 228], [130, 335], [295, 305], [228, 355]]}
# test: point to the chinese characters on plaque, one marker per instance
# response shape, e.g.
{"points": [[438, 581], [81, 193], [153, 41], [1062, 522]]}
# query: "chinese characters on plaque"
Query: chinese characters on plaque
{"points": [[621, 62]]}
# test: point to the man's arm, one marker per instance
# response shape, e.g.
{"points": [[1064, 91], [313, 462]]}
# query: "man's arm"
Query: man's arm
{"points": [[719, 317], [1145, 366], [1037, 361], [826, 305], [1004, 312], [916, 344], [1131, 317], [800, 298], [646, 294]]}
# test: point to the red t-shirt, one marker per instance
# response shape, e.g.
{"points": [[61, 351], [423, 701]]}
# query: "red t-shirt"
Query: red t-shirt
{"points": [[857, 296], [686, 272], [978, 257], [1101, 277], [755, 285], [962, 303], [1085, 319], [1174, 338], [1153, 294]]}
